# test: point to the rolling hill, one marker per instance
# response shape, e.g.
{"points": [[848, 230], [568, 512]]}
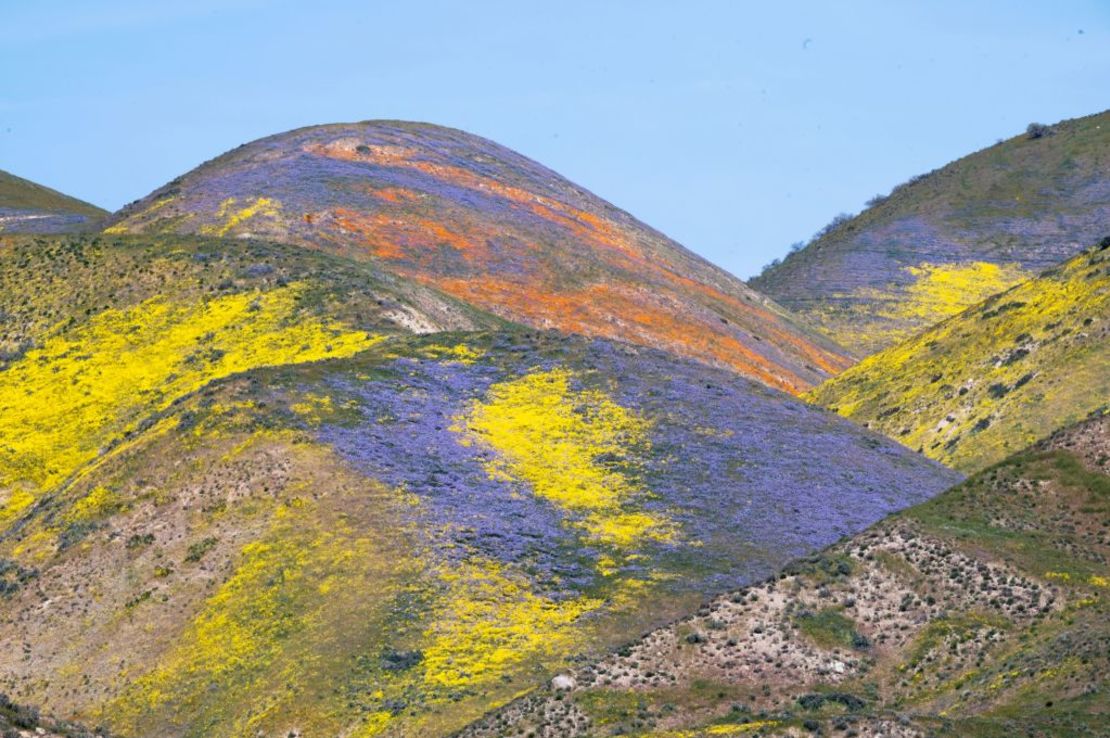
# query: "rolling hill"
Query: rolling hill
{"points": [[492, 228], [984, 384], [983, 613], [949, 239], [246, 490], [26, 207]]}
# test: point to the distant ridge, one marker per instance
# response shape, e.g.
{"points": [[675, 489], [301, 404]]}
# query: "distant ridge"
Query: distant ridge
{"points": [[27, 207], [493, 228], [950, 238]]}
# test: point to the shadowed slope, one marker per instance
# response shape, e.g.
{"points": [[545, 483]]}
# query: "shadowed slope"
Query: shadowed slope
{"points": [[26, 207], [493, 228], [981, 613], [953, 237], [996, 377], [240, 498]]}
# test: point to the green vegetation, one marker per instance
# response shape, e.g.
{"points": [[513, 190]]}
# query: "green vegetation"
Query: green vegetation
{"points": [[829, 628], [21, 194], [197, 550]]}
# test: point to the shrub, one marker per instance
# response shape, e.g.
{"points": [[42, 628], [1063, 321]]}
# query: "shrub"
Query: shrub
{"points": [[21, 716], [13, 576], [815, 701], [197, 551], [74, 533], [911, 181], [393, 660], [140, 540]]}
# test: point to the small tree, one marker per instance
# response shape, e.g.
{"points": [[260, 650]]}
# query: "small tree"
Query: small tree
{"points": [[833, 224], [1038, 130], [773, 263]]}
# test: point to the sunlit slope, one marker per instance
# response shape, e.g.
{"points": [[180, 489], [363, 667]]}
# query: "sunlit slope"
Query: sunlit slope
{"points": [[393, 541], [989, 381], [983, 613], [495, 229], [26, 207], [949, 239], [98, 335]]}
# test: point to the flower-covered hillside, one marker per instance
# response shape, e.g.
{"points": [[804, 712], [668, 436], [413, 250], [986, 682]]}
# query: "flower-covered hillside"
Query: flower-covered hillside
{"points": [[99, 335], [993, 379], [493, 228], [982, 613], [314, 522]]}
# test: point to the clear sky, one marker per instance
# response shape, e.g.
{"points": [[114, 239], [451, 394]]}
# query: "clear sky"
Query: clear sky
{"points": [[735, 127]]}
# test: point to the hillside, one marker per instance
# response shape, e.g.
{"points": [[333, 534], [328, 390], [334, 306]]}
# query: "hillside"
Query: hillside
{"points": [[494, 229], [983, 613], [951, 238], [986, 383], [26, 207], [241, 495]]}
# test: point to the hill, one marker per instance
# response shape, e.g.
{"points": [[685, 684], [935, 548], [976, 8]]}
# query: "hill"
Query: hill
{"points": [[493, 228], [984, 384], [26, 207], [949, 239], [242, 496], [983, 613]]}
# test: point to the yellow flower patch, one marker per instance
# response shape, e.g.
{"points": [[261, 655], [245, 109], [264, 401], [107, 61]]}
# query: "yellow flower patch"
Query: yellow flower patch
{"points": [[98, 502], [61, 405], [942, 290], [493, 620], [124, 226], [229, 215], [460, 353], [552, 438]]}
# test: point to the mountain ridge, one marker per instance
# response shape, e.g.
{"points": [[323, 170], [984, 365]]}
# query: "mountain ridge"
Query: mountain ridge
{"points": [[952, 237], [491, 227]]}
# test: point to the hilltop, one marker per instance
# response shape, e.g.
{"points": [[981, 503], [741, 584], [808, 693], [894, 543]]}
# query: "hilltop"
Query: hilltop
{"points": [[979, 386], [951, 238], [493, 228], [242, 494], [982, 613], [26, 207]]}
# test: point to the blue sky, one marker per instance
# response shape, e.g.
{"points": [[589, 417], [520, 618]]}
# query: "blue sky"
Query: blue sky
{"points": [[735, 127]]}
